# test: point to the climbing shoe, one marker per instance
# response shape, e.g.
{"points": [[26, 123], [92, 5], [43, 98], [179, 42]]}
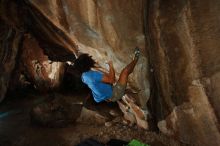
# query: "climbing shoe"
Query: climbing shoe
{"points": [[137, 53]]}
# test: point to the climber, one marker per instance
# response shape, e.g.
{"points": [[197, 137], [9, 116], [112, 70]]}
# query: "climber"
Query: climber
{"points": [[102, 84]]}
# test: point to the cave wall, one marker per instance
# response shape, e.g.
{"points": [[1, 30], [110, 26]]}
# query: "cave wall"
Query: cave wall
{"points": [[43, 73], [22, 55], [184, 48], [10, 42], [107, 30]]}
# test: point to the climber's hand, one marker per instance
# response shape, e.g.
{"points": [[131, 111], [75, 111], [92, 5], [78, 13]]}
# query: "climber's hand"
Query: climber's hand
{"points": [[110, 63]]}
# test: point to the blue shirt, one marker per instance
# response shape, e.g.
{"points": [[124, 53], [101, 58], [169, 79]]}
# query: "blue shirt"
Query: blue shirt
{"points": [[100, 90]]}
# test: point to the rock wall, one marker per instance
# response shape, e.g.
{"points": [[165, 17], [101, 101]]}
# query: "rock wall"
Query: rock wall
{"points": [[10, 41], [17, 19], [184, 49], [43, 73], [107, 30]]}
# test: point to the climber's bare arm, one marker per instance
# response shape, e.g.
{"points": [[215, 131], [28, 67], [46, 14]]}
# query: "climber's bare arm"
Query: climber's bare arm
{"points": [[109, 77]]}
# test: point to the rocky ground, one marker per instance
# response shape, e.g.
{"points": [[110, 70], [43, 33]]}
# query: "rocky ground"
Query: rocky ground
{"points": [[99, 121]]}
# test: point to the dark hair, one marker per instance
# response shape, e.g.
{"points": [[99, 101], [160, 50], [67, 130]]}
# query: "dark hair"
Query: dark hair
{"points": [[84, 63]]}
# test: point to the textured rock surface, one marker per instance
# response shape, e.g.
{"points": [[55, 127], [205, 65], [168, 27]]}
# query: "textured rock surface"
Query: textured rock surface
{"points": [[56, 111], [132, 112], [10, 40], [42, 72], [107, 30], [184, 50]]}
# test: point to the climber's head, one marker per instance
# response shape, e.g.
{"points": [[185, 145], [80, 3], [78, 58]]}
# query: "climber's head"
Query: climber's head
{"points": [[84, 63]]}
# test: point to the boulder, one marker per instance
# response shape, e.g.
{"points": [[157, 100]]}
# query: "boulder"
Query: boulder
{"points": [[132, 112], [56, 111]]}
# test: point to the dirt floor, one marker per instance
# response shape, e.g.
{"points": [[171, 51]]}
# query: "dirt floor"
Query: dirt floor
{"points": [[17, 130]]}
